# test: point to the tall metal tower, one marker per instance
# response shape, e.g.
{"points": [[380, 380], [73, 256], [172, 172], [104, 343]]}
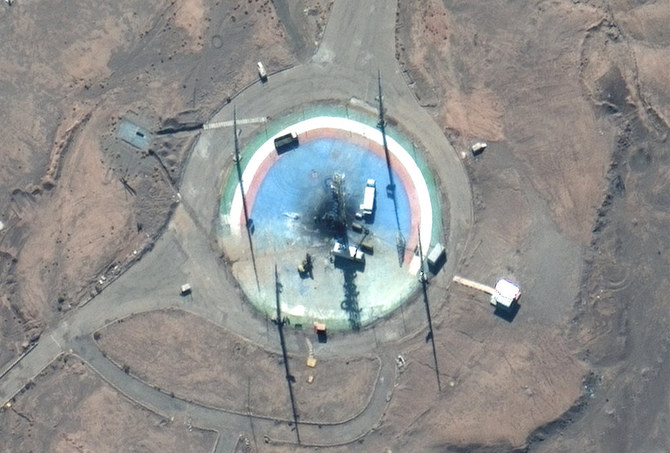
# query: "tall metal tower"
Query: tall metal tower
{"points": [[339, 206]]}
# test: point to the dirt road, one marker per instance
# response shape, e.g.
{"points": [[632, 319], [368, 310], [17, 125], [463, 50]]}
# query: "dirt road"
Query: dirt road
{"points": [[572, 98], [187, 250]]}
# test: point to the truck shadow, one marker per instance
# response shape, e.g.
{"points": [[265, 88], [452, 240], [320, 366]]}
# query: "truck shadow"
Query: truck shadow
{"points": [[508, 314]]}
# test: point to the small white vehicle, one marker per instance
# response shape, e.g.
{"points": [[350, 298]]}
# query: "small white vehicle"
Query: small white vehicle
{"points": [[262, 73], [478, 148]]}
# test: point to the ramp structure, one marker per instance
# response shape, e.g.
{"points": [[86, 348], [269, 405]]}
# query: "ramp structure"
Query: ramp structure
{"points": [[475, 285]]}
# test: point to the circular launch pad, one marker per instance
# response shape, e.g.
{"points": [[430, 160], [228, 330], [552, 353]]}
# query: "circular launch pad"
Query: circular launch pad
{"points": [[295, 206]]}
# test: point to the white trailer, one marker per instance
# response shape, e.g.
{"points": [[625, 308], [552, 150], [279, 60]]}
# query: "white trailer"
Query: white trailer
{"points": [[478, 148], [368, 204], [262, 73], [436, 258]]}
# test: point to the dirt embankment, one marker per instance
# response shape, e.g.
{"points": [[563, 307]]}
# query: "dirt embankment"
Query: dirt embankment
{"points": [[305, 22], [78, 204], [620, 319]]}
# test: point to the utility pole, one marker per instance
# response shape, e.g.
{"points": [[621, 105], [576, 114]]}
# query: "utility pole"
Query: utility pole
{"points": [[289, 377], [390, 189], [424, 284], [340, 214], [247, 221], [239, 170]]}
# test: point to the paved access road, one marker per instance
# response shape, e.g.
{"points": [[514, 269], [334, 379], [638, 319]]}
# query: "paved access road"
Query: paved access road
{"points": [[359, 39]]}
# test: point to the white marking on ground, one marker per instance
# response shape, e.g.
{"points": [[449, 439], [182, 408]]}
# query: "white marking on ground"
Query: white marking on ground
{"points": [[220, 124], [474, 285], [56, 341]]}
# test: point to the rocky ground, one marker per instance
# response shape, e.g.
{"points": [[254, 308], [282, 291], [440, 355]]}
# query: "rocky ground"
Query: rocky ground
{"points": [[572, 98], [172, 350], [69, 408], [571, 95], [78, 205]]}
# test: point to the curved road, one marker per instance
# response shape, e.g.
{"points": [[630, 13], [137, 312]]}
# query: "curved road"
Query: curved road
{"points": [[359, 39]]}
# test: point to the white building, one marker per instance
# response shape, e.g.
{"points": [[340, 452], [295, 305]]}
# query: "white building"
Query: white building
{"points": [[506, 294]]}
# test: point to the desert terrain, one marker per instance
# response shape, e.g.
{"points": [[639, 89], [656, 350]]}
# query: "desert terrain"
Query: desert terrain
{"points": [[99, 353]]}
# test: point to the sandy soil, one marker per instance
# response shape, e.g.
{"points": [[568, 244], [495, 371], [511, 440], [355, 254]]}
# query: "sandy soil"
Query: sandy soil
{"points": [[507, 381], [595, 157], [68, 219], [304, 22], [490, 70], [69, 408], [69, 224], [178, 353], [574, 100]]}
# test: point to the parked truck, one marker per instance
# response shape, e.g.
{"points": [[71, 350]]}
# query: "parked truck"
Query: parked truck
{"points": [[286, 142], [262, 73], [368, 205]]}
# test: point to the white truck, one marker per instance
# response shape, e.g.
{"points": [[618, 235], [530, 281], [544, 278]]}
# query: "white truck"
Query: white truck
{"points": [[262, 73], [478, 148], [368, 204], [185, 289]]}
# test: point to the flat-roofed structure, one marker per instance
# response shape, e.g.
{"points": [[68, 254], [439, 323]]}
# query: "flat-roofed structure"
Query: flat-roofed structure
{"points": [[506, 294]]}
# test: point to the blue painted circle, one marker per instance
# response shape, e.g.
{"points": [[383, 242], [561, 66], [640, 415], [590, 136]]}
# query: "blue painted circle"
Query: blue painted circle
{"points": [[296, 185]]}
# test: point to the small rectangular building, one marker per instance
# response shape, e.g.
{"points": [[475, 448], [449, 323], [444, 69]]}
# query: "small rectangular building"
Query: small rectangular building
{"points": [[478, 148], [286, 142], [321, 333], [134, 134], [506, 294], [351, 253], [368, 247], [436, 258], [185, 289]]}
